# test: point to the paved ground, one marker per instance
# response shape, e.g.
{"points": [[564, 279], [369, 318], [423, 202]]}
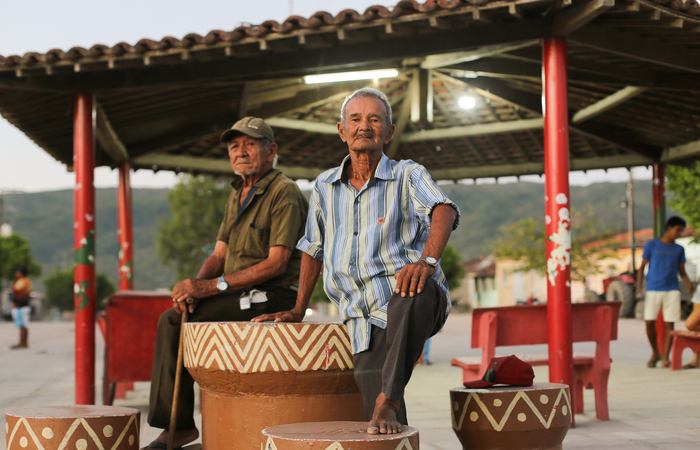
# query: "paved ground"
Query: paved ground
{"points": [[649, 408]]}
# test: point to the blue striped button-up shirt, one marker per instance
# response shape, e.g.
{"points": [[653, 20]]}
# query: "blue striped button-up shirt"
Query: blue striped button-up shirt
{"points": [[365, 237]]}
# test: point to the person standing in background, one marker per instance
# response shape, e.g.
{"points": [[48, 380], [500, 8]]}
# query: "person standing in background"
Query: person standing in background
{"points": [[21, 290]]}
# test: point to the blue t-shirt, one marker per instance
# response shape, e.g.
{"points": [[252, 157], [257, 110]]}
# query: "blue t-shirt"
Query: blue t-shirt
{"points": [[664, 260]]}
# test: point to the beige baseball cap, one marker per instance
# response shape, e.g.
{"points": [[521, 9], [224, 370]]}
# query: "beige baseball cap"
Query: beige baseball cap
{"points": [[254, 127]]}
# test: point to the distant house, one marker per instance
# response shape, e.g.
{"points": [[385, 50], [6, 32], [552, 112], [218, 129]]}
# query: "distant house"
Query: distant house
{"points": [[478, 287], [494, 281]]}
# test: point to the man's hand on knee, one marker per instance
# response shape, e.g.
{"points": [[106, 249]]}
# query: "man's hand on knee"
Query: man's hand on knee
{"points": [[284, 316], [194, 289], [411, 278]]}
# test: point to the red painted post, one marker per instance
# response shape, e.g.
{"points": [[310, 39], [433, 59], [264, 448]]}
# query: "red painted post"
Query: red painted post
{"points": [[125, 232], [558, 217], [84, 165], [658, 201]]}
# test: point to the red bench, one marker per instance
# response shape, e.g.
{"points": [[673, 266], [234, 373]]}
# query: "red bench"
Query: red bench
{"points": [[131, 321], [681, 341], [527, 325]]}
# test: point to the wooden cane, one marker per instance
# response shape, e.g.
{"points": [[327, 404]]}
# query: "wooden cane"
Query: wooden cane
{"points": [[178, 373]]}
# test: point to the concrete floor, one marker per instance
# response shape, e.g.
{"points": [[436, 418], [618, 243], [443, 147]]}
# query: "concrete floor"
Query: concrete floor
{"points": [[649, 408]]}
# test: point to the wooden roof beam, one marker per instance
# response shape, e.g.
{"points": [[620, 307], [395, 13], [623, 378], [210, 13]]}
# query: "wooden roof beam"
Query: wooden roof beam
{"points": [[198, 131], [450, 59], [606, 103], [108, 138], [689, 150], [574, 17], [219, 166], [401, 123], [533, 102], [637, 47], [302, 125], [474, 130], [534, 168]]}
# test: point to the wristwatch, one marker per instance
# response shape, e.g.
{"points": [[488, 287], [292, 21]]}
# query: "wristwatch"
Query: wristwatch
{"points": [[429, 260], [221, 284]]}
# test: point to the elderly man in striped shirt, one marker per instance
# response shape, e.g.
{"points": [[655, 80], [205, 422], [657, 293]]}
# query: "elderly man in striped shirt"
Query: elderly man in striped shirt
{"points": [[377, 227]]}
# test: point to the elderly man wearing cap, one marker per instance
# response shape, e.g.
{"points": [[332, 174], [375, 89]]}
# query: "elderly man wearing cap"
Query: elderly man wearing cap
{"points": [[378, 228], [254, 268]]}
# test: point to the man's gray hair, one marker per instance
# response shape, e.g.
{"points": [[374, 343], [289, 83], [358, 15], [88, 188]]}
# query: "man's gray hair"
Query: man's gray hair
{"points": [[367, 92]]}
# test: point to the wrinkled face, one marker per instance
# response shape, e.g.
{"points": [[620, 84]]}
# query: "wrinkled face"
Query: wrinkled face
{"points": [[676, 232], [364, 128], [248, 155]]}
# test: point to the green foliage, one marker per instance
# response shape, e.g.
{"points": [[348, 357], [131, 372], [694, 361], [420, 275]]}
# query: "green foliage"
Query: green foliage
{"points": [[197, 205], [525, 241], [46, 220], [684, 183], [60, 289], [451, 267], [15, 251], [487, 207]]}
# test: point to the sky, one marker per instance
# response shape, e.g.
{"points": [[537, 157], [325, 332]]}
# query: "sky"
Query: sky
{"points": [[41, 25]]}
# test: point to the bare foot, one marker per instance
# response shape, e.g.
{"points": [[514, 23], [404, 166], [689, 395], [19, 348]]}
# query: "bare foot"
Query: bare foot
{"points": [[384, 417], [182, 438]]}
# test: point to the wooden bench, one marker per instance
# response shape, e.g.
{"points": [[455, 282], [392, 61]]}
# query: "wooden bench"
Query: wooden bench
{"points": [[527, 325], [681, 341]]}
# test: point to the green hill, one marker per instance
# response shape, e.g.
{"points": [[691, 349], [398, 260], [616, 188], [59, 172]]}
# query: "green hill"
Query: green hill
{"points": [[46, 220]]}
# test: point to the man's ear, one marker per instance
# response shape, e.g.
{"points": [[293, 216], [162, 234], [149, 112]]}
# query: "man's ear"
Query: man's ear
{"points": [[341, 132], [390, 133], [273, 151]]}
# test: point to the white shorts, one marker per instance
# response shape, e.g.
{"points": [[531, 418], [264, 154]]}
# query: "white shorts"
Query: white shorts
{"points": [[669, 300], [21, 316]]}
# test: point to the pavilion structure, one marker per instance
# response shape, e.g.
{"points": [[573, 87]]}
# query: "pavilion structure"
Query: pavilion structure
{"points": [[558, 85]]}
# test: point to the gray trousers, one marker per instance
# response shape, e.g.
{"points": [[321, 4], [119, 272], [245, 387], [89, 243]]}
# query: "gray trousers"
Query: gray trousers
{"points": [[393, 352], [223, 307]]}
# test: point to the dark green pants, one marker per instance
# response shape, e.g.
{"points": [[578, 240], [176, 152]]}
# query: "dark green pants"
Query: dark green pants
{"points": [[219, 308]]}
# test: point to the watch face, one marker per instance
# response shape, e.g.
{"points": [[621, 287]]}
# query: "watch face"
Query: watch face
{"points": [[222, 285], [431, 260]]}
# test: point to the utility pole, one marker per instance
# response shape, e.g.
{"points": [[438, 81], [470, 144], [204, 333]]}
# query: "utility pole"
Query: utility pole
{"points": [[630, 219]]}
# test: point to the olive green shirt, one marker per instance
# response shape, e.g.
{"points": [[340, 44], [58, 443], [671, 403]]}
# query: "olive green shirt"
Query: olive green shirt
{"points": [[275, 215]]}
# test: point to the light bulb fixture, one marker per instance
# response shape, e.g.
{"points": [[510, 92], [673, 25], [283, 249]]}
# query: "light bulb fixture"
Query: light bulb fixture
{"points": [[467, 102], [351, 76]]}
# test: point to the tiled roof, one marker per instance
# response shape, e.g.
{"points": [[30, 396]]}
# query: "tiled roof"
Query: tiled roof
{"points": [[319, 20], [161, 105]]}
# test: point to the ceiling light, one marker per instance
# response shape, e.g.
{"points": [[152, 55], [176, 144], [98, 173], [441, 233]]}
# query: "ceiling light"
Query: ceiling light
{"points": [[467, 102], [350, 76]]}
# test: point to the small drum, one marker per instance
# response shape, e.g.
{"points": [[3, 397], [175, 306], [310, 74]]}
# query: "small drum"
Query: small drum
{"points": [[511, 417]]}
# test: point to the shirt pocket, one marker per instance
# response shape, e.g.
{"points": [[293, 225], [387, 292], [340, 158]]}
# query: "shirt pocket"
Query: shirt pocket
{"points": [[257, 243]]}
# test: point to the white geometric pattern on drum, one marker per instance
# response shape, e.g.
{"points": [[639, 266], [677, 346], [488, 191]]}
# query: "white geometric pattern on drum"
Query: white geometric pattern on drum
{"points": [[403, 445], [268, 347], [69, 433], [520, 395]]}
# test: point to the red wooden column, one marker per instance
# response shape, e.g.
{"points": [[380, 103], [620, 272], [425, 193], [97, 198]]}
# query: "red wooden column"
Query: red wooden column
{"points": [[558, 217], [658, 201], [125, 225], [84, 288]]}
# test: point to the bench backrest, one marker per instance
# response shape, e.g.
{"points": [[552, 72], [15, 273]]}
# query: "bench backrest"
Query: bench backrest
{"points": [[132, 322], [527, 325]]}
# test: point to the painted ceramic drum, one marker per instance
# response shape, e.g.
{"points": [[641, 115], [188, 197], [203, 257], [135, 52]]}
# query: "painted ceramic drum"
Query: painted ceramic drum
{"points": [[336, 436], [510, 417], [72, 427], [258, 375]]}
